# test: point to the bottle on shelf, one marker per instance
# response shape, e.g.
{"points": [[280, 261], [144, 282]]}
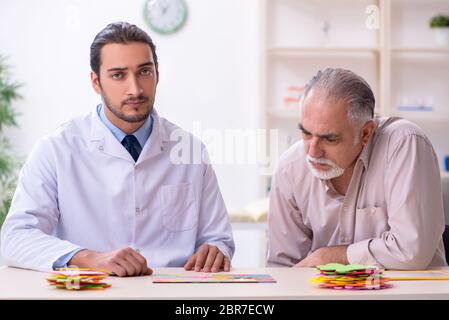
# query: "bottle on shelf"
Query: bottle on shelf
{"points": [[293, 97]]}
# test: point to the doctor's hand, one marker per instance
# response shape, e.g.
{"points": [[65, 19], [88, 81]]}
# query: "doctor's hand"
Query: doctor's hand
{"points": [[325, 255], [122, 262], [209, 259]]}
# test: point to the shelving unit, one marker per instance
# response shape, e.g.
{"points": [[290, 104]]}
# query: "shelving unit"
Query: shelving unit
{"points": [[316, 50], [420, 50], [419, 69], [399, 58]]}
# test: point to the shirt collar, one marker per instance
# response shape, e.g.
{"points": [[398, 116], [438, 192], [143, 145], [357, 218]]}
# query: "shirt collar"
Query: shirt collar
{"points": [[365, 155], [142, 134]]}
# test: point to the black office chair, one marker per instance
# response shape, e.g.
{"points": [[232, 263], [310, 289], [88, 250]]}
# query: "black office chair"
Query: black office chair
{"points": [[446, 242]]}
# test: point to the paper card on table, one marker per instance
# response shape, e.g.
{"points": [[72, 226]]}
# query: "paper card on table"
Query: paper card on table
{"points": [[395, 275], [212, 278]]}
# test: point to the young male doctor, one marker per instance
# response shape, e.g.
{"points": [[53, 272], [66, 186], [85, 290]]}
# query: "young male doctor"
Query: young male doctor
{"points": [[103, 191]]}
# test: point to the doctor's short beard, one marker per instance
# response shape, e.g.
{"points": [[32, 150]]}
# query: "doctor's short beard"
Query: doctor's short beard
{"points": [[117, 111]]}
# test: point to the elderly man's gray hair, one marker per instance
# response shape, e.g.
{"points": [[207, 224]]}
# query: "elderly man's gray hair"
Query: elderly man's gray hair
{"points": [[344, 84]]}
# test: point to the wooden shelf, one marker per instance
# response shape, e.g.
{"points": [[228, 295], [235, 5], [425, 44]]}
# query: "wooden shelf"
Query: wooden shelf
{"points": [[420, 116], [420, 50], [298, 51]]}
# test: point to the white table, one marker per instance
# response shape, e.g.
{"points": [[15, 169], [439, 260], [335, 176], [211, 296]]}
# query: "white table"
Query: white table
{"points": [[292, 283]]}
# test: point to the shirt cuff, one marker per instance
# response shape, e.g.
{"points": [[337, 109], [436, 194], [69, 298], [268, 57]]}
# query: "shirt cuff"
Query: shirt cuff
{"points": [[359, 253], [62, 261], [223, 249]]}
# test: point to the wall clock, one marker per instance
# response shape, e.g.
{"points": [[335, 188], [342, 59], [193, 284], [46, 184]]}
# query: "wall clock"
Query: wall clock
{"points": [[165, 16]]}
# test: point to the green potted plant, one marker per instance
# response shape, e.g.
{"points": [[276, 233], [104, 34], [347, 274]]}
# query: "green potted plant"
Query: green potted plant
{"points": [[9, 164], [440, 25]]}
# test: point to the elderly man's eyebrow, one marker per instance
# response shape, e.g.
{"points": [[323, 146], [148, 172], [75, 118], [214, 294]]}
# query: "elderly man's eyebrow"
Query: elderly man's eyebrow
{"points": [[329, 135], [300, 126]]}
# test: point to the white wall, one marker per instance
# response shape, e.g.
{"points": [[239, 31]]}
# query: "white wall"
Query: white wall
{"points": [[208, 70]]}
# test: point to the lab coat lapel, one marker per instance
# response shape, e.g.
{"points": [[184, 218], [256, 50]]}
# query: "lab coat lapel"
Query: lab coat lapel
{"points": [[102, 140], [156, 143]]}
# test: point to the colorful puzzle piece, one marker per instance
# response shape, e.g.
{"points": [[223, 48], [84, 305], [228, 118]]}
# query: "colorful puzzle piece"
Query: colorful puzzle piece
{"points": [[78, 279], [350, 277]]}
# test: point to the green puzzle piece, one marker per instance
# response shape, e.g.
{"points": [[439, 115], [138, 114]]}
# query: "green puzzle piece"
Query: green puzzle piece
{"points": [[342, 268]]}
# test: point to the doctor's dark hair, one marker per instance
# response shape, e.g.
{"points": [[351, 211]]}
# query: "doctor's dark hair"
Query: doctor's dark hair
{"points": [[336, 83], [118, 32]]}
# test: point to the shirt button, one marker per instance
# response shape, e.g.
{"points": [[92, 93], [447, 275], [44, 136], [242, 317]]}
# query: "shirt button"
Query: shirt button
{"points": [[100, 148], [137, 209]]}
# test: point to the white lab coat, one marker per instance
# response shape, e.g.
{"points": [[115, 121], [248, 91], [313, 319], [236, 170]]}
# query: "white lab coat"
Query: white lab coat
{"points": [[80, 188]]}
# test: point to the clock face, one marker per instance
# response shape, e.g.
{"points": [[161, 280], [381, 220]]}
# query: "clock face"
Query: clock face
{"points": [[165, 16]]}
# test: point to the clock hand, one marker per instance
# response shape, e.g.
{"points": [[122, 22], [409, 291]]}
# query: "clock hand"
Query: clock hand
{"points": [[164, 7]]}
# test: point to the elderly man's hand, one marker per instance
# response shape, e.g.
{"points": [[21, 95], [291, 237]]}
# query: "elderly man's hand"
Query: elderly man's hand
{"points": [[208, 259], [325, 255]]}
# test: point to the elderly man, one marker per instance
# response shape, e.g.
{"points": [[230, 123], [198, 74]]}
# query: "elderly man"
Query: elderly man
{"points": [[356, 189]]}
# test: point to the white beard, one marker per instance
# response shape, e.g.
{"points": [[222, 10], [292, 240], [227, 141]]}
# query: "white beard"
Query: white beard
{"points": [[334, 172]]}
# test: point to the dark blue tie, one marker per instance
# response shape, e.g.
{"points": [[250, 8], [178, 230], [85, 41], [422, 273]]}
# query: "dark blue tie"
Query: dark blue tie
{"points": [[131, 144]]}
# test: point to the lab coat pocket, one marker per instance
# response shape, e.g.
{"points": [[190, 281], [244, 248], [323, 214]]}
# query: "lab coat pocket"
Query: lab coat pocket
{"points": [[371, 222], [179, 208]]}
